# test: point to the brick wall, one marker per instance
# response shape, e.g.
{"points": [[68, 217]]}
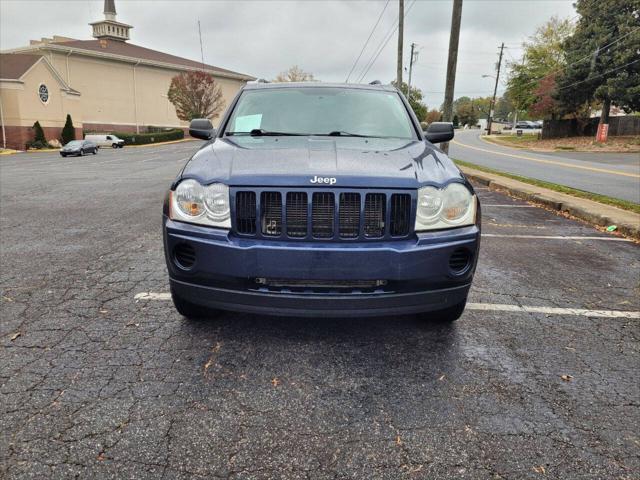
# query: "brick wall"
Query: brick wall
{"points": [[18, 137]]}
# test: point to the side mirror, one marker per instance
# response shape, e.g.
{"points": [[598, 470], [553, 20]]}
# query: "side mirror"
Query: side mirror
{"points": [[439, 132], [202, 128]]}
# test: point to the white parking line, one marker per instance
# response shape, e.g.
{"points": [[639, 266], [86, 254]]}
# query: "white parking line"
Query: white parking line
{"points": [[557, 237], [152, 296], [495, 307], [499, 307]]}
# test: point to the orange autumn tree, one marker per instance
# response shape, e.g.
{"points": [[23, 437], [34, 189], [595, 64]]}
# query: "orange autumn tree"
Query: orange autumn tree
{"points": [[195, 95]]}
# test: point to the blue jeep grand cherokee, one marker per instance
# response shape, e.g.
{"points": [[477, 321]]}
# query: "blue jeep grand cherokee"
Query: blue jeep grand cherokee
{"points": [[321, 200]]}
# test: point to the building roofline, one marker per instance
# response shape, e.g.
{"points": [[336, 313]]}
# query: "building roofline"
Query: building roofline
{"points": [[60, 47], [51, 69]]}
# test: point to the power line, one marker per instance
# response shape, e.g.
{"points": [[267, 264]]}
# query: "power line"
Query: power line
{"points": [[600, 75], [367, 42], [383, 44]]}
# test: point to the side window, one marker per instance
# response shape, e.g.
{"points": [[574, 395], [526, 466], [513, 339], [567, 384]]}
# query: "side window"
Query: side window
{"points": [[109, 137]]}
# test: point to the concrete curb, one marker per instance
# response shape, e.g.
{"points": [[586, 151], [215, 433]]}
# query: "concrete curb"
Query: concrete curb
{"points": [[628, 223]]}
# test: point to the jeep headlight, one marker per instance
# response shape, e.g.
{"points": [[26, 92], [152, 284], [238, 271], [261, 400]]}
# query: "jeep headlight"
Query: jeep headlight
{"points": [[452, 206], [201, 204]]}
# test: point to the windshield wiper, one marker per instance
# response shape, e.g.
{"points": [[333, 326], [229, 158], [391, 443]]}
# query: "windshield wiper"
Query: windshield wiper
{"points": [[259, 132], [341, 133]]}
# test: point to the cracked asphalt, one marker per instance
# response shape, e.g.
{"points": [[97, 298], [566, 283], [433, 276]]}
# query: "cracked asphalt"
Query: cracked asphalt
{"points": [[94, 384]]}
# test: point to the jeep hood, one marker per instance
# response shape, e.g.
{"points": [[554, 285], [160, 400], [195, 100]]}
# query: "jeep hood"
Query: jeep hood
{"points": [[295, 161]]}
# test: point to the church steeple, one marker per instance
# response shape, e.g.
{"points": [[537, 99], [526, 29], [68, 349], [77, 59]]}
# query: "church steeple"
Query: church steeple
{"points": [[110, 28], [109, 9]]}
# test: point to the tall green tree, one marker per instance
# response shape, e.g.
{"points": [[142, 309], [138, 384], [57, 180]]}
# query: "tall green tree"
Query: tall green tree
{"points": [[415, 100], [38, 134], [68, 132], [543, 54], [603, 60]]}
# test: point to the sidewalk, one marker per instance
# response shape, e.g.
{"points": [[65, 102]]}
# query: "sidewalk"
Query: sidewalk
{"points": [[628, 223]]}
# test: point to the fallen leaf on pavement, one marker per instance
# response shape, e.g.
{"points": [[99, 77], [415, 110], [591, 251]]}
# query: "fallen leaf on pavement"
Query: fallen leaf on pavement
{"points": [[566, 378], [398, 441], [15, 335], [441, 378], [275, 382], [540, 469]]}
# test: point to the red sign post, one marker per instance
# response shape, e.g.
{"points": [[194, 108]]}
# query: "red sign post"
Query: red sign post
{"points": [[603, 132]]}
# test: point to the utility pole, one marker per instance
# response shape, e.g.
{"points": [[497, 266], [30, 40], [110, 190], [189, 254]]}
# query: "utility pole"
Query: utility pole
{"points": [[400, 40], [414, 57], [201, 49], [495, 91], [447, 114]]}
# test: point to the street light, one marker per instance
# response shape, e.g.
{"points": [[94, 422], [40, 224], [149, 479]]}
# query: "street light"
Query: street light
{"points": [[493, 102]]}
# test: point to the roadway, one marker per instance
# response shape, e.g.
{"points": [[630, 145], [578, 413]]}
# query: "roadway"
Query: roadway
{"points": [[616, 175]]}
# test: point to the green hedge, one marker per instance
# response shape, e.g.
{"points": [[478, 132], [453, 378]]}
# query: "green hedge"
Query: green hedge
{"points": [[154, 137], [144, 138]]}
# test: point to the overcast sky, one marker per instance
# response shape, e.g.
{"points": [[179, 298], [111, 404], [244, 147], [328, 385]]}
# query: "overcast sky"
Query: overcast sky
{"points": [[264, 37]]}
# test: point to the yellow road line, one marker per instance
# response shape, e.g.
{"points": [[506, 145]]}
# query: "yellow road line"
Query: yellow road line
{"points": [[550, 162]]}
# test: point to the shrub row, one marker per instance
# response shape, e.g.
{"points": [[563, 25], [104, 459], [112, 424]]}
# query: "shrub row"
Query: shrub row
{"points": [[153, 137]]}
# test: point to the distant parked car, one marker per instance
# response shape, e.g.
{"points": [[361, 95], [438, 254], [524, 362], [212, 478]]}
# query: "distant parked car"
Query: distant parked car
{"points": [[105, 140], [526, 125], [79, 147]]}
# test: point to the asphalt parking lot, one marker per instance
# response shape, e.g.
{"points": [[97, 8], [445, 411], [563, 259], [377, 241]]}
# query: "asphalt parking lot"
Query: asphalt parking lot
{"points": [[100, 379]]}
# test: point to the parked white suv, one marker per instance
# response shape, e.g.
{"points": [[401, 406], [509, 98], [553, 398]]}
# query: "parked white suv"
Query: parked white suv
{"points": [[106, 140]]}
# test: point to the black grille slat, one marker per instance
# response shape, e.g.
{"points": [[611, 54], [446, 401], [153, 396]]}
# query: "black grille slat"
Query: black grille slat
{"points": [[349, 215], [296, 214], [271, 213], [374, 214], [400, 214], [246, 213], [322, 214]]}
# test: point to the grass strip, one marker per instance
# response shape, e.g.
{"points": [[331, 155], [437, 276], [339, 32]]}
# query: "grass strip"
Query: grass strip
{"points": [[624, 204]]}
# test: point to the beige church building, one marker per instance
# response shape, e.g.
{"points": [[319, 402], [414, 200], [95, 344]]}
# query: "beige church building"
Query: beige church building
{"points": [[107, 84]]}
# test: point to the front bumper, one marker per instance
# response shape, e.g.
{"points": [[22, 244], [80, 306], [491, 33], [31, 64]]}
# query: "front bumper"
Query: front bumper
{"points": [[231, 273]]}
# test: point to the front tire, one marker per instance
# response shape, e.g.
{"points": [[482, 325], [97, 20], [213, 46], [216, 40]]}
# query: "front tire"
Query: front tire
{"points": [[447, 315], [81, 152], [114, 145], [190, 310], [95, 150], [63, 155]]}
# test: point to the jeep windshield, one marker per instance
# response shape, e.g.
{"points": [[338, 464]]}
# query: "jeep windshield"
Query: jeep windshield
{"points": [[321, 111]]}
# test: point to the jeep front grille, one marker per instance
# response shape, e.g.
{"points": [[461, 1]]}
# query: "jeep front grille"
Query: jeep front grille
{"points": [[326, 215]]}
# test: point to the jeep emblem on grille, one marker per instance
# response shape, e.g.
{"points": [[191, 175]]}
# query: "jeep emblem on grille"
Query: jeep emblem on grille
{"points": [[328, 180]]}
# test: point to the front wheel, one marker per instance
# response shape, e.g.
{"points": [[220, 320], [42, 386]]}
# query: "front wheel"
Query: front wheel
{"points": [[95, 150], [114, 145], [190, 310], [81, 152], [447, 315]]}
